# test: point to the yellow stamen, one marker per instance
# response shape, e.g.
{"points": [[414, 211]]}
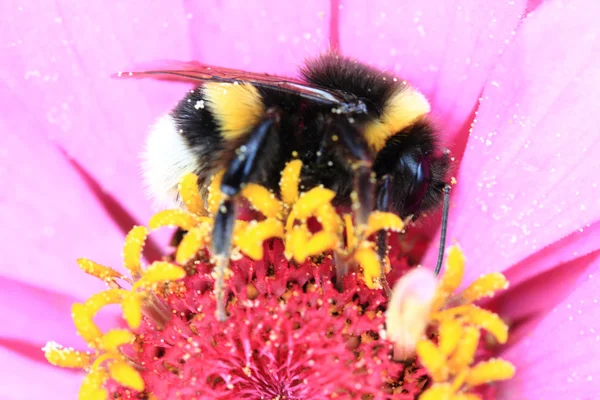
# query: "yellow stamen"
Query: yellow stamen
{"points": [[466, 349], [132, 309], [321, 242], [455, 269], [175, 218], [192, 243], [295, 243], [188, 191], [369, 261], [379, 220], [465, 396], [308, 203], [477, 316], [328, 218], [160, 271], [214, 192], [433, 359], [251, 241], [113, 339], [126, 375], [490, 371], [67, 357], [450, 333], [262, 200], [485, 286], [107, 274], [132, 252], [91, 388], [438, 392], [102, 299], [290, 179]]}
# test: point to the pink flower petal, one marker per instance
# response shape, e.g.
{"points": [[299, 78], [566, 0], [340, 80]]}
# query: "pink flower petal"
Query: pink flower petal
{"points": [[534, 298], [261, 36], [38, 315], [49, 218], [527, 177], [57, 62], [24, 379], [445, 48], [560, 359]]}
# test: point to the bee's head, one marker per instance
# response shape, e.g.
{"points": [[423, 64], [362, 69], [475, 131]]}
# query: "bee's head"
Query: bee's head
{"points": [[416, 168]]}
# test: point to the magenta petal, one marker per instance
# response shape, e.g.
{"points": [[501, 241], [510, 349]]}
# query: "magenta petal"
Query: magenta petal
{"points": [[57, 62], [49, 218], [262, 36], [24, 379], [527, 178], [445, 48], [560, 358], [38, 315]]}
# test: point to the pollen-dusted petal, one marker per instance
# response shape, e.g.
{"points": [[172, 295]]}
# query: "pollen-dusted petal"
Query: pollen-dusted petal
{"points": [[190, 195], [290, 180], [379, 220], [92, 386], [407, 315], [351, 240], [105, 273], [193, 241], [438, 391], [160, 271], [321, 242], [450, 333], [82, 319], [114, 338], [368, 259], [214, 192], [485, 286], [465, 351], [124, 374], [132, 309], [328, 218], [132, 251], [490, 371], [455, 269], [67, 357], [433, 359], [262, 200], [251, 241], [308, 203], [178, 218], [295, 243]]}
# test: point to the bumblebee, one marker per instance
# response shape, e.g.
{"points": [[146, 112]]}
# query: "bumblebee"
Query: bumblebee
{"points": [[358, 131]]}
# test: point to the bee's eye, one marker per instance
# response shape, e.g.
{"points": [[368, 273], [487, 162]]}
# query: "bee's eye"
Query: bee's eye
{"points": [[419, 169]]}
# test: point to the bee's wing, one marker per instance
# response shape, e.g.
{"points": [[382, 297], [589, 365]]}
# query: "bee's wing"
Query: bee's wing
{"points": [[196, 73]]}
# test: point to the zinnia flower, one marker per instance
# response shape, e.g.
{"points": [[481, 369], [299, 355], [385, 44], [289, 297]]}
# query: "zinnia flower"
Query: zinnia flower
{"points": [[526, 200]]}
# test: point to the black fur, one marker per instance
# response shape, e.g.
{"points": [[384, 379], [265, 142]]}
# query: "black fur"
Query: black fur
{"points": [[303, 129]]}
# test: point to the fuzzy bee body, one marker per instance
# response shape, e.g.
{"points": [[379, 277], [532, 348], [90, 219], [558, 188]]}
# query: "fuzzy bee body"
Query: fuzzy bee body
{"points": [[358, 131], [209, 127]]}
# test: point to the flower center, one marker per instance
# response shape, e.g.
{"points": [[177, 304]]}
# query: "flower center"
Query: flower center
{"points": [[291, 333]]}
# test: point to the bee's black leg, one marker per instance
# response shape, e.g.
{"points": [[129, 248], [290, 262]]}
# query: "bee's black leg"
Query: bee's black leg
{"points": [[238, 173], [360, 157], [383, 203]]}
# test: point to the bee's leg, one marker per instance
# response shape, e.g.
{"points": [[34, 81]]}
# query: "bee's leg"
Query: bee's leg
{"points": [[383, 203], [236, 176], [361, 159]]}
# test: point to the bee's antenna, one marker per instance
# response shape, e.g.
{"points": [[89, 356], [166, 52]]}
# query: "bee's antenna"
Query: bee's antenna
{"points": [[438, 266]]}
